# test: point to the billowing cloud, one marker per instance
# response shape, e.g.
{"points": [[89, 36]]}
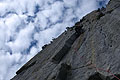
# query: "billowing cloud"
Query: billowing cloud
{"points": [[26, 25]]}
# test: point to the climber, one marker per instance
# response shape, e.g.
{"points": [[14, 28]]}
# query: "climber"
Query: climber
{"points": [[78, 29]]}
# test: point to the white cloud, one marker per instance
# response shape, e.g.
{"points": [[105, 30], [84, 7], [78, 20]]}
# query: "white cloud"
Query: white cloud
{"points": [[23, 39], [41, 21], [71, 3], [26, 25], [7, 62]]}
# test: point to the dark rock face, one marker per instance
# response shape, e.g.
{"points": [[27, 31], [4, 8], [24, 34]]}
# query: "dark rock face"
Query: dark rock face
{"points": [[58, 57], [96, 76], [118, 75], [25, 67], [63, 71], [90, 50]]}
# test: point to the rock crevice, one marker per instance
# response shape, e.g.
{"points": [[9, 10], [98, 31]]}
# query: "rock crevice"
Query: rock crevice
{"points": [[85, 51]]}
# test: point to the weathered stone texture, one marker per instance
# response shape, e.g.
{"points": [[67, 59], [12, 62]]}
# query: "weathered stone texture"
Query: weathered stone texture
{"points": [[97, 49]]}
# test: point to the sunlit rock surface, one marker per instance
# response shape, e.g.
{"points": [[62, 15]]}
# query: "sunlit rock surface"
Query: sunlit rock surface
{"points": [[92, 53]]}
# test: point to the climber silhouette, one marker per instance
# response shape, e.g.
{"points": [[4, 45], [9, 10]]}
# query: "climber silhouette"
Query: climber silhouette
{"points": [[78, 29]]}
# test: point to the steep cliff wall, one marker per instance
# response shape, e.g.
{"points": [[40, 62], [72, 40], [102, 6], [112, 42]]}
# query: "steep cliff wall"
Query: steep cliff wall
{"points": [[90, 50]]}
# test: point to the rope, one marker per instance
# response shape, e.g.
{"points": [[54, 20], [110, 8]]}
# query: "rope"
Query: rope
{"points": [[100, 69], [93, 53], [108, 72], [113, 75], [93, 61], [79, 43]]}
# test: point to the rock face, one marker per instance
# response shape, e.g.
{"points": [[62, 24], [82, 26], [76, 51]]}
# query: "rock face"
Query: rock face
{"points": [[90, 50]]}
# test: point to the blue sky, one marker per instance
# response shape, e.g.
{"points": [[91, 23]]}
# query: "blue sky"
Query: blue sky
{"points": [[26, 25]]}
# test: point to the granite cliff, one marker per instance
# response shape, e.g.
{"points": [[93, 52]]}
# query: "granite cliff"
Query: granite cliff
{"points": [[90, 50]]}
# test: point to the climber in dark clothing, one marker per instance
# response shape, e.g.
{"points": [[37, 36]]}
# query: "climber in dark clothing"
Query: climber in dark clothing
{"points": [[78, 29]]}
